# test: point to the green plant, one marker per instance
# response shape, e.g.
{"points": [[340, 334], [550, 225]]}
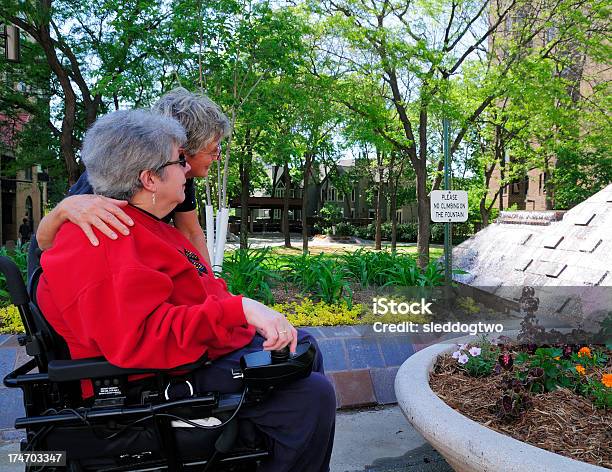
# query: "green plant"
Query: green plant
{"points": [[245, 273], [309, 313], [319, 276], [600, 394], [19, 255], [345, 229], [477, 361], [403, 272], [330, 215], [10, 320], [556, 371], [468, 305]]}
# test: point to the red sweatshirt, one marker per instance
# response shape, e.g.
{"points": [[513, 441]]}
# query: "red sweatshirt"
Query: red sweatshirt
{"points": [[144, 300]]}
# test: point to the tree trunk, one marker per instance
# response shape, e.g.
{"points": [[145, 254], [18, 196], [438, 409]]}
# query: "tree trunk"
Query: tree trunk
{"points": [[393, 195], [286, 206], [378, 238], [484, 213], [549, 187], [423, 213], [245, 171], [307, 170]]}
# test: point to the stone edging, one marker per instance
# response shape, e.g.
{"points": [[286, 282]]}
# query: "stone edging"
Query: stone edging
{"points": [[464, 443]]}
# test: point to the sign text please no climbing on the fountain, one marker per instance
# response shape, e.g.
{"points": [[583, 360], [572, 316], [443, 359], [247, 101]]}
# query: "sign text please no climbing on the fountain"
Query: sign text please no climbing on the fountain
{"points": [[449, 206]]}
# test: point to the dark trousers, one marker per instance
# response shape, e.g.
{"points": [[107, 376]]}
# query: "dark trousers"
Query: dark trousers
{"points": [[298, 419]]}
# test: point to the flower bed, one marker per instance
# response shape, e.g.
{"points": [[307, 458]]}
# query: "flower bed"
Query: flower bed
{"points": [[556, 398]]}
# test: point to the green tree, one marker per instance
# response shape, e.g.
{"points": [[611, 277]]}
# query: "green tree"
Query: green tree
{"points": [[98, 52], [412, 51]]}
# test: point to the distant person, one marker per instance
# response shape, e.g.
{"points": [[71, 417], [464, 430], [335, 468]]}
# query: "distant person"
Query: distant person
{"points": [[25, 231]]}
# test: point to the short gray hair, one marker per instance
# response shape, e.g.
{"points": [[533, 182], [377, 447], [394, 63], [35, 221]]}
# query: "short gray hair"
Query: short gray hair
{"points": [[120, 145], [203, 120]]}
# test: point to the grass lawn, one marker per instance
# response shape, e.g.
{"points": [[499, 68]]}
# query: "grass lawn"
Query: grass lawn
{"points": [[435, 250]]}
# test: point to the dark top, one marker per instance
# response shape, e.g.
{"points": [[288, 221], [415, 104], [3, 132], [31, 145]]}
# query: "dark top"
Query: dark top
{"points": [[83, 187], [25, 231]]}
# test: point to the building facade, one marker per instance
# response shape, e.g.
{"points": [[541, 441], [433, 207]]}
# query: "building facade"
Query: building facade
{"points": [[23, 192]]}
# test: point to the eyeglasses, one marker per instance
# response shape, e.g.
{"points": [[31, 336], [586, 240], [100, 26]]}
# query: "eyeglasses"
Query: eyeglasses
{"points": [[182, 161], [216, 153]]}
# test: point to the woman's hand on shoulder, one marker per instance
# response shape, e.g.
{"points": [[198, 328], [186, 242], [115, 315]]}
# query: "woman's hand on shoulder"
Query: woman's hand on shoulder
{"points": [[103, 213], [271, 324]]}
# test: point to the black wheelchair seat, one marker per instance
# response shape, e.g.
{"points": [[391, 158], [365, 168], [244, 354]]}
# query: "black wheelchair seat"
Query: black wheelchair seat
{"points": [[155, 423]]}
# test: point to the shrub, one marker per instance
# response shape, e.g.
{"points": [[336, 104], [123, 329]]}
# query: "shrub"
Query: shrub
{"points": [[309, 313], [365, 232], [10, 320], [20, 256], [245, 272], [330, 214], [407, 232], [345, 229]]}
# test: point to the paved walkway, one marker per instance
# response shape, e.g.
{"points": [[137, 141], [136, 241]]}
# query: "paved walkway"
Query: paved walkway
{"points": [[373, 440]]}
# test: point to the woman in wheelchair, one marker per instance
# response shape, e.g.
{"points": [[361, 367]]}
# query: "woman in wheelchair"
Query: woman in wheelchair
{"points": [[149, 299]]}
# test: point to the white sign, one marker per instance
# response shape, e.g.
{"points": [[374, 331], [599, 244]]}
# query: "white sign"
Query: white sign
{"points": [[449, 206]]}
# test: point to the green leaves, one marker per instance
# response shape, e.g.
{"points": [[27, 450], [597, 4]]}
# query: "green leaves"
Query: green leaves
{"points": [[246, 274]]}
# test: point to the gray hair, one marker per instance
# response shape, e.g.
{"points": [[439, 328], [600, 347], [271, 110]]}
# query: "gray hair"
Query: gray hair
{"points": [[203, 120], [120, 145]]}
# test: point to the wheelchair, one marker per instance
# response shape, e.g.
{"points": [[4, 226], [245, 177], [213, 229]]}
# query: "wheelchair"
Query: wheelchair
{"points": [[154, 423]]}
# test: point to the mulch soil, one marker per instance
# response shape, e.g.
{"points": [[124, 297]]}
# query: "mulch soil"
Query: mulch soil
{"points": [[561, 421]]}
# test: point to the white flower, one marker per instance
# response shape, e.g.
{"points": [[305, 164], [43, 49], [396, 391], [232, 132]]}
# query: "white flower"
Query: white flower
{"points": [[456, 354], [463, 359], [474, 351], [463, 347]]}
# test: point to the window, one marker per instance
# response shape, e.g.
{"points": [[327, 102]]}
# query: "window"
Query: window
{"points": [[353, 195], [540, 185], [298, 214], [544, 180], [516, 188], [398, 216], [277, 214], [331, 194], [323, 195], [28, 173], [352, 213], [279, 192]]}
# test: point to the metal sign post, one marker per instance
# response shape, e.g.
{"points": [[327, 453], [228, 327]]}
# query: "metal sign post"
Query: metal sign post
{"points": [[448, 234]]}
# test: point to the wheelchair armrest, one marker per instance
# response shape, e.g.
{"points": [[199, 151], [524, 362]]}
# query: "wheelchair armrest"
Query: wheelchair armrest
{"points": [[79, 369]]}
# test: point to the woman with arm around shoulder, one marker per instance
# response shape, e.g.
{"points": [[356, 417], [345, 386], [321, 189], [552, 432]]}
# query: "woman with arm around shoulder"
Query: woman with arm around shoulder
{"points": [[149, 299]]}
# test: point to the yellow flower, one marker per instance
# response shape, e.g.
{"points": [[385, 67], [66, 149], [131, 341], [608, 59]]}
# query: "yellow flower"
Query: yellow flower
{"points": [[557, 358], [584, 351], [580, 369], [607, 380]]}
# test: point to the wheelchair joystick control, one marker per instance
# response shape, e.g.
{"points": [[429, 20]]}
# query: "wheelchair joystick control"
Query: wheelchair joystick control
{"points": [[279, 356]]}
